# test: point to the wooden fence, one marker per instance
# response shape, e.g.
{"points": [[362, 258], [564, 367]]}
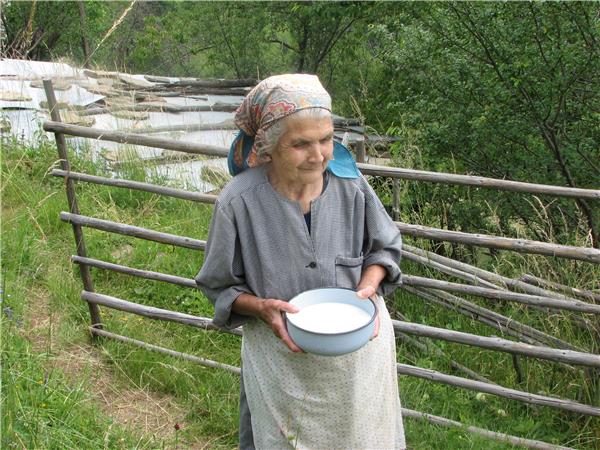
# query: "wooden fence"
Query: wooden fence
{"points": [[493, 287]]}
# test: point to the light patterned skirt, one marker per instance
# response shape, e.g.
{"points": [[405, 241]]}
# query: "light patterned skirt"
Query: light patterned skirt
{"points": [[306, 401]]}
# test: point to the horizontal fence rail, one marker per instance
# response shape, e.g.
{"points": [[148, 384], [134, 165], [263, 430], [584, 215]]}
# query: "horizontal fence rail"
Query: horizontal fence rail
{"points": [[526, 299], [394, 172], [513, 394], [408, 280], [130, 230], [202, 361], [134, 139], [476, 181], [585, 294], [499, 344], [504, 324], [137, 185], [148, 274], [503, 243], [491, 318], [492, 278], [497, 321], [502, 437], [224, 125], [419, 231], [528, 443], [206, 323], [151, 312]]}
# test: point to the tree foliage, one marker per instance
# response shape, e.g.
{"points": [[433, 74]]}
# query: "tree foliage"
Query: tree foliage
{"points": [[504, 90], [507, 90]]}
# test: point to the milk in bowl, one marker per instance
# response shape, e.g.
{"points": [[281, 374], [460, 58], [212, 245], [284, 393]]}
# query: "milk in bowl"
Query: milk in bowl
{"points": [[331, 321]]}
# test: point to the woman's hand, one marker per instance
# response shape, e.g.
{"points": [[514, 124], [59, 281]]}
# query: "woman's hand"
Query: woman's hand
{"points": [[369, 283], [271, 312], [366, 293]]}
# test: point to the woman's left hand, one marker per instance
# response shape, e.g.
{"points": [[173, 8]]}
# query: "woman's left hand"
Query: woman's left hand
{"points": [[365, 293]]}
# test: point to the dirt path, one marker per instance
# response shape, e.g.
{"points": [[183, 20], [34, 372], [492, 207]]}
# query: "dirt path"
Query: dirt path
{"points": [[143, 412]]}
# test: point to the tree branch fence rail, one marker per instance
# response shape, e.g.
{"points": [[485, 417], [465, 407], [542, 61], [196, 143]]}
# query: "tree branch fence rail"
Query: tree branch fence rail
{"points": [[418, 231], [483, 283]]}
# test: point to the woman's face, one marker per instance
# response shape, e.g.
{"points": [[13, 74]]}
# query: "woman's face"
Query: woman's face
{"points": [[304, 150]]}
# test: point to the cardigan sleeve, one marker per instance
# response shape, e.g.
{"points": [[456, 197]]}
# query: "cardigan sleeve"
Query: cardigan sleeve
{"points": [[222, 278], [383, 243]]}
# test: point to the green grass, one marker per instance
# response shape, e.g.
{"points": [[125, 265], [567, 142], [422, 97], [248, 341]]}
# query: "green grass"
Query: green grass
{"points": [[41, 409], [36, 247]]}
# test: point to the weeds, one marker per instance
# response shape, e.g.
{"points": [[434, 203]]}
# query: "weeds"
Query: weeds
{"points": [[43, 410]]}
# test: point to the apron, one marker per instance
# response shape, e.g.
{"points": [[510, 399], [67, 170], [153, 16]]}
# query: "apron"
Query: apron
{"points": [[306, 401]]}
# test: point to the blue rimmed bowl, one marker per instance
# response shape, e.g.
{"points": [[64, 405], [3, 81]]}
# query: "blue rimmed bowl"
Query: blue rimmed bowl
{"points": [[327, 343]]}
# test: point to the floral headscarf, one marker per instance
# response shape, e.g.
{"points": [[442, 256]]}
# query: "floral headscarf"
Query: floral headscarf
{"points": [[269, 101]]}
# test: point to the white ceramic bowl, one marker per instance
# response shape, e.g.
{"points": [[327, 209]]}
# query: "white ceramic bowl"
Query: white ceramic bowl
{"points": [[323, 338]]}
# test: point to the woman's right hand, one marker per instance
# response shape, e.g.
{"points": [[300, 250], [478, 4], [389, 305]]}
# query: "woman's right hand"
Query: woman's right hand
{"points": [[271, 312]]}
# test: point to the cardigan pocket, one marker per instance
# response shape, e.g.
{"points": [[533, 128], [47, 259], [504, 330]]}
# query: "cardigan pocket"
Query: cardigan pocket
{"points": [[348, 271]]}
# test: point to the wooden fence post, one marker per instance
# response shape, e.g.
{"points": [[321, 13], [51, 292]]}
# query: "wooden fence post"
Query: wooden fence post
{"points": [[61, 145], [396, 199], [360, 150]]}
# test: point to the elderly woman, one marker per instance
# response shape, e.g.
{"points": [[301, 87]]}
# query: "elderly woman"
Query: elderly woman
{"points": [[296, 216]]}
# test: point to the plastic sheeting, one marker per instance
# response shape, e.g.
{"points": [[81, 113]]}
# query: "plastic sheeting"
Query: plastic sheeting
{"points": [[26, 116]]}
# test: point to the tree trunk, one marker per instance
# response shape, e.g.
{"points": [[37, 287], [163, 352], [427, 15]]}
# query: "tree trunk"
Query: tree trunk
{"points": [[551, 141], [85, 46], [302, 46]]}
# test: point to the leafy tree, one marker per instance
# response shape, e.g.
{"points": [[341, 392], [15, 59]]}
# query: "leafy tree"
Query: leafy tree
{"points": [[508, 90], [503, 90]]}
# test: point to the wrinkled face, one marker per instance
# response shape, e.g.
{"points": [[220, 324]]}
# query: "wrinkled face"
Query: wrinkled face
{"points": [[304, 150]]}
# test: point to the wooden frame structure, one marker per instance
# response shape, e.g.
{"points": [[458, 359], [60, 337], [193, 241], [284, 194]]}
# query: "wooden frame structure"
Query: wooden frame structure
{"points": [[533, 343]]}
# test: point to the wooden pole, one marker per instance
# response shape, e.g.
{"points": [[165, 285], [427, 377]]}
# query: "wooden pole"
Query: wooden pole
{"points": [[191, 283], [428, 349], [61, 146], [137, 185], [163, 107], [490, 277], [406, 412], [502, 437], [473, 279], [195, 359], [360, 150], [475, 181], [502, 345], [405, 369], [148, 274], [215, 83], [135, 139], [520, 245], [225, 125], [395, 199], [536, 281], [525, 299], [186, 282], [505, 325], [503, 243], [513, 394], [130, 230], [367, 169], [502, 281], [154, 313], [497, 321]]}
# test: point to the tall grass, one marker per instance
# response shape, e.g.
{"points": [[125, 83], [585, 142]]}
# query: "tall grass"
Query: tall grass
{"points": [[35, 254]]}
